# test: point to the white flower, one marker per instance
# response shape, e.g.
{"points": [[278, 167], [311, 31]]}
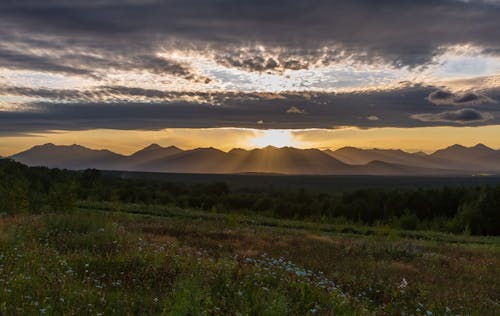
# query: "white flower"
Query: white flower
{"points": [[403, 284]]}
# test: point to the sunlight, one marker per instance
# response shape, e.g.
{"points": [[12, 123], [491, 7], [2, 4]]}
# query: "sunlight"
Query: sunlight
{"points": [[273, 137]]}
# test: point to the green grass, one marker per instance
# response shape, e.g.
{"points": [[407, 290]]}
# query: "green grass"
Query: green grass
{"points": [[170, 261]]}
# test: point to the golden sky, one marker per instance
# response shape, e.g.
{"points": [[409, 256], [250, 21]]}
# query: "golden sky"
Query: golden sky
{"points": [[426, 139]]}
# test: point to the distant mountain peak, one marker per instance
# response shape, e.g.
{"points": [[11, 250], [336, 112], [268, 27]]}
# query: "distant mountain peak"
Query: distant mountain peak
{"points": [[152, 147], [461, 148], [481, 146], [455, 146], [420, 153], [269, 147], [44, 145], [237, 150], [348, 148], [207, 149]]}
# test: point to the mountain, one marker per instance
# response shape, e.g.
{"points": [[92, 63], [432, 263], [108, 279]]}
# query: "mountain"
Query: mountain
{"points": [[286, 160], [357, 156], [70, 157], [199, 160], [455, 159], [478, 157], [145, 157]]}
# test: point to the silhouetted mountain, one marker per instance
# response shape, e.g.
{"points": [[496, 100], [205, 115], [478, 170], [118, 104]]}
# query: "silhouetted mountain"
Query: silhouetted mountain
{"points": [[286, 160], [142, 159], [359, 156], [478, 157], [70, 157], [455, 159], [199, 160]]}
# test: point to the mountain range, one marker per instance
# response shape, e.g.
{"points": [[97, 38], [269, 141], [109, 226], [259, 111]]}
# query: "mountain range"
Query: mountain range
{"points": [[453, 160]]}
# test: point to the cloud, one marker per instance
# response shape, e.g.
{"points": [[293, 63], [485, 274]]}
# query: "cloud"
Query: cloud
{"points": [[462, 116], [373, 118], [440, 97], [96, 63], [295, 110], [402, 33], [20, 61], [128, 108], [262, 60]]}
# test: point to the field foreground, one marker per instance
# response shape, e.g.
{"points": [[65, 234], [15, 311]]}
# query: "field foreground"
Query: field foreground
{"points": [[180, 262]]}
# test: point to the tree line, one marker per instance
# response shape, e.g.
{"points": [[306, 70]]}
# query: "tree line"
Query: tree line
{"points": [[474, 210]]}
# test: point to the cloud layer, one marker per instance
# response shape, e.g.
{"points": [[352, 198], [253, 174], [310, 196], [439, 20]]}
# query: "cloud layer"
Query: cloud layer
{"points": [[118, 107], [119, 64], [252, 35]]}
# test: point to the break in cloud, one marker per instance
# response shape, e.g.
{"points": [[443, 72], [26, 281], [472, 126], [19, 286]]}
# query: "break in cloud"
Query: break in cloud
{"points": [[151, 64]]}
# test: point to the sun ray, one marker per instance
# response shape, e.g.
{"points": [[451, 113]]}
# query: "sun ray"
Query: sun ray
{"points": [[273, 137]]}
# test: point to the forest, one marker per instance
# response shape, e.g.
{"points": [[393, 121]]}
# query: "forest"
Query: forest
{"points": [[460, 210]]}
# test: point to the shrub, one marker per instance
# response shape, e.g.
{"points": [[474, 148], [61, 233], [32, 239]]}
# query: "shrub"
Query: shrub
{"points": [[408, 221]]}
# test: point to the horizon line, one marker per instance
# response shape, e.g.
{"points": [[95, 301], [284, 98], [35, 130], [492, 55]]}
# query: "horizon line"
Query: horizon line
{"points": [[249, 148]]}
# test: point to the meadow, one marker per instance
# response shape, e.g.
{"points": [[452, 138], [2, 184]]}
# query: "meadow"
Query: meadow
{"points": [[144, 260], [87, 243]]}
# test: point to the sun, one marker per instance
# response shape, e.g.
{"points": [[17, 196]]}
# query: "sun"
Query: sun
{"points": [[273, 137]]}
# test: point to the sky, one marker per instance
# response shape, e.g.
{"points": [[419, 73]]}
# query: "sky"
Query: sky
{"points": [[122, 74]]}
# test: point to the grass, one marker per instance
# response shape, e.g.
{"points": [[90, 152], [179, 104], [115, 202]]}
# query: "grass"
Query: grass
{"points": [[169, 261]]}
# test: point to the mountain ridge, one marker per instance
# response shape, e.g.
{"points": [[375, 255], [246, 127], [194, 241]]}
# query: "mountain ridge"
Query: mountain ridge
{"points": [[455, 159]]}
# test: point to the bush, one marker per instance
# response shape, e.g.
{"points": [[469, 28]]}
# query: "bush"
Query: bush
{"points": [[408, 221]]}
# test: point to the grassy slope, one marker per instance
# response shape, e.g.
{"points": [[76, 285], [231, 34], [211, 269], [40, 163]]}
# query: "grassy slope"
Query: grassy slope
{"points": [[181, 262]]}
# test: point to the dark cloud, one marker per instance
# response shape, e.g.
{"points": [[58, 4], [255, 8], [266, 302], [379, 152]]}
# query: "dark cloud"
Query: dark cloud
{"points": [[82, 110], [461, 116], [440, 97], [401, 32], [109, 94], [88, 65], [18, 60], [254, 61]]}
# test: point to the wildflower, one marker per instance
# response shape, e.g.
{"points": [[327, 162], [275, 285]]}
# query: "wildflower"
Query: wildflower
{"points": [[403, 284]]}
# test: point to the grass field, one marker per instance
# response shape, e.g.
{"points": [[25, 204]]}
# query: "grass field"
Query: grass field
{"points": [[153, 260]]}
